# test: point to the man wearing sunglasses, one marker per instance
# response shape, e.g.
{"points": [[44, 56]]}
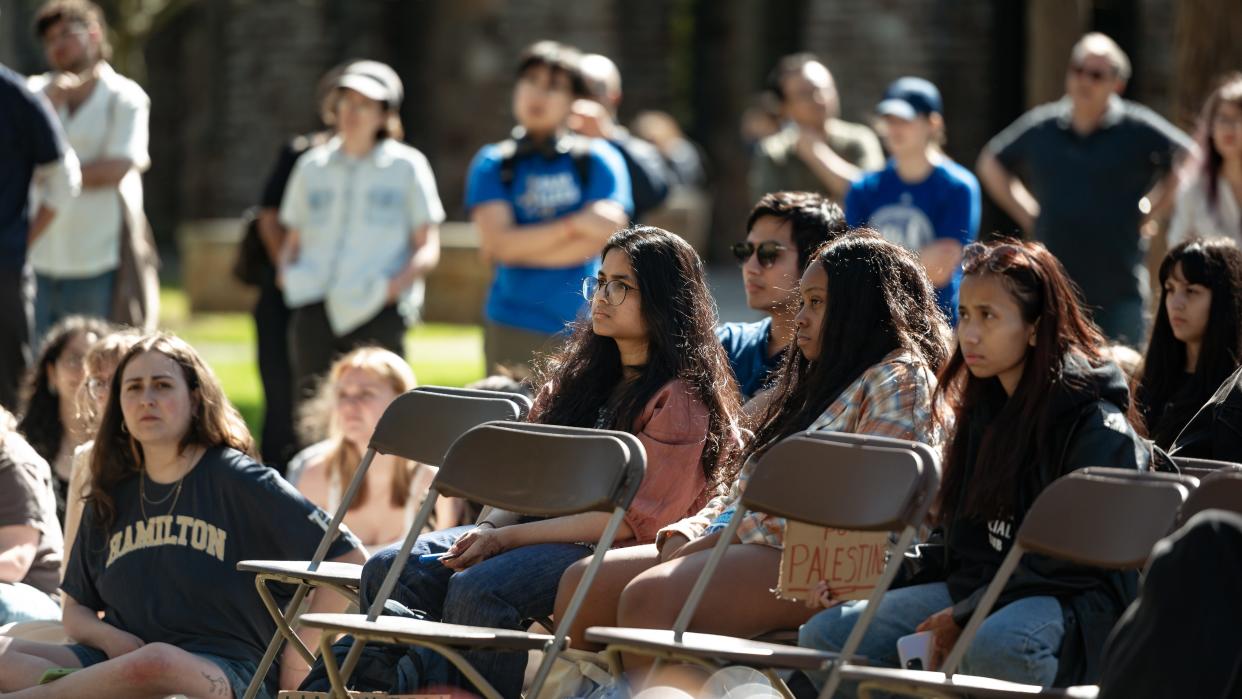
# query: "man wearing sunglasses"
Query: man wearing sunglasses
{"points": [[1086, 164], [783, 230]]}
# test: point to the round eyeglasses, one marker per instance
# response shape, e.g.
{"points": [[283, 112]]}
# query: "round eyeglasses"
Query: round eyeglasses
{"points": [[614, 291]]}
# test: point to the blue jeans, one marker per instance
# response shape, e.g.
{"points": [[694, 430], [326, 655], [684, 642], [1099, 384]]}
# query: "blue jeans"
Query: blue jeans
{"points": [[1019, 642], [503, 591], [21, 602], [59, 297]]}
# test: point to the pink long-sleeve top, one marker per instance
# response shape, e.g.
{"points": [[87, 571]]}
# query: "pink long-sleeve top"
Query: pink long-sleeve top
{"points": [[673, 430]]}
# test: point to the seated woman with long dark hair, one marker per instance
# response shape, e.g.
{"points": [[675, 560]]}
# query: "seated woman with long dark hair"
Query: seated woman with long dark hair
{"points": [[870, 339], [49, 416], [1196, 342], [646, 362], [175, 501], [1031, 399]]}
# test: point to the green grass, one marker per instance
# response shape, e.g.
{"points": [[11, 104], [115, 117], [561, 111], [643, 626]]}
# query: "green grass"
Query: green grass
{"points": [[440, 354]]}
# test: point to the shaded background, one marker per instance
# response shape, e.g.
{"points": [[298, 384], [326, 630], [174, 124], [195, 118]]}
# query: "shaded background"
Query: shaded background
{"points": [[231, 79]]}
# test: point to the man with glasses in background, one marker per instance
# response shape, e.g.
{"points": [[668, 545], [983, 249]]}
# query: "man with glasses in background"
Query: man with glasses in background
{"points": [[1084, 175], [77, 258], [782, 232]]}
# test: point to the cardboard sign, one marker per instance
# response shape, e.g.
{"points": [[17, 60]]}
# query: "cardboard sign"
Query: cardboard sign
{"points": [[852, 562]]}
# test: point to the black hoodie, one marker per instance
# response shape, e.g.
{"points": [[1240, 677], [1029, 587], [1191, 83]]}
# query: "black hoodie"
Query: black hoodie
{"points": [[1215, 432], [1090, 406]]}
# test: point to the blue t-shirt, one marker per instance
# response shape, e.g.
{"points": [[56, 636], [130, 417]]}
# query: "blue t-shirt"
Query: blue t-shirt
{"points": [[30, 135], [944, 205], [747, 347], [544, 300]]}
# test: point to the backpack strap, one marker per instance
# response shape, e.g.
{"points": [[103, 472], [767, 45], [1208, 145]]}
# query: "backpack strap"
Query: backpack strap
{"points": [[578, 148], [508, 161]]}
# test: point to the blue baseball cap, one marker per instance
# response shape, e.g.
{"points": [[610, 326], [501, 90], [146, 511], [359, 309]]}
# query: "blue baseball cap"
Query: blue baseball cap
{"points": [[909, 97]]}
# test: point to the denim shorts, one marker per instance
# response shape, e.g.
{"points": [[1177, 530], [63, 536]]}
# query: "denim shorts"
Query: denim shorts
{"points": [[238, 672]]}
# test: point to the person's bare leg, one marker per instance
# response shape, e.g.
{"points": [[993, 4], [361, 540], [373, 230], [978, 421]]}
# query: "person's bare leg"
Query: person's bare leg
{"points": [[154, 670], [22, 663], [620, 566], [738, 600]]}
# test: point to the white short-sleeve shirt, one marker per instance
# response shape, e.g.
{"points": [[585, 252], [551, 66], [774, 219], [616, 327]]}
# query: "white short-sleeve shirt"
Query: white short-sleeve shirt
{"points": [[355, 218], [83, 239], [1194, 216]]}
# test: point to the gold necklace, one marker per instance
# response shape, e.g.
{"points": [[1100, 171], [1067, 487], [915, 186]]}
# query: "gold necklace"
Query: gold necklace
{"points": [[175, 493]]}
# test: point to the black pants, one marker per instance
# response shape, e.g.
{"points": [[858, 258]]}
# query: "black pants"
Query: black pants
{"points": [[313, 346], [271, 323], [16, 313]]}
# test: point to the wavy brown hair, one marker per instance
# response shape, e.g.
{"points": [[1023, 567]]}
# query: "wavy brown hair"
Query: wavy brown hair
{"points": [[40, 415], [586, 378], [1016, 440], [214, 422]]}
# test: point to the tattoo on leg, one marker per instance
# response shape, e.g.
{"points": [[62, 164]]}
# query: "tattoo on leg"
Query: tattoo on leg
{"points": [[219, 685]]}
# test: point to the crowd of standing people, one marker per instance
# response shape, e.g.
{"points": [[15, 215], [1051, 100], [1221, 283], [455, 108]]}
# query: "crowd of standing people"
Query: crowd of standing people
{"points": [[130, 487]]}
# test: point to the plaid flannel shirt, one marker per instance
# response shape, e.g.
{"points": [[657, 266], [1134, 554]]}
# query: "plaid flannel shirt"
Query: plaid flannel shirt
{"points": [[891, 399]]}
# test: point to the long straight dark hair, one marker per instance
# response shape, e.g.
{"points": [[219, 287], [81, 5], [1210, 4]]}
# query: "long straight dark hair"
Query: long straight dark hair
{"points": [[1229, 91], [1016, 441], [40, 416], [879, 300], [1167, 403], [586, 377]]}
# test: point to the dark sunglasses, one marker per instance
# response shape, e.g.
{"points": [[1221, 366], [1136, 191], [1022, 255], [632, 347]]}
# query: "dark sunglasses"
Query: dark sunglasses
{"points": [[1091, 74], [767, 251]]}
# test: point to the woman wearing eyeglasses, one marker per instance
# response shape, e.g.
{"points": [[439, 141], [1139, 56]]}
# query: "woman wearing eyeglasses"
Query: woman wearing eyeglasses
{"points": [[841, 379], [646, 361], [1032, 399], [1210, 205], [782, 232]]}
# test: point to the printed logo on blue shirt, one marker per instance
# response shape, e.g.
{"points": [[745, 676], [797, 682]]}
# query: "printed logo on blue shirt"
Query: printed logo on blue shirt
{"points": [[904, 224], [545, 194]]}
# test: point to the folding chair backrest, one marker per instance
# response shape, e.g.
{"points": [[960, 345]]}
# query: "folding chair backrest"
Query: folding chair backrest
{"points": [[522, 401], [869, 485], [1102, 517], [543, 470], [1185, 462], [422, 424], [1107, 518], [1219, 490]]}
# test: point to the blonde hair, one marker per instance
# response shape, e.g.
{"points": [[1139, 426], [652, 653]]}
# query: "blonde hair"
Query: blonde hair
{"points": [[106, 351], [343, 456]]}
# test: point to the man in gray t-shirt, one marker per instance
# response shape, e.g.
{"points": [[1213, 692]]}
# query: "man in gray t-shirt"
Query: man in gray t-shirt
{"points": [[1073, 172], [31, 542]]}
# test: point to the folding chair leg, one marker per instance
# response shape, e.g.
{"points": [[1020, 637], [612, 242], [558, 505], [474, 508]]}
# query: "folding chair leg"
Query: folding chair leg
{"points": [[390, 580], [778, 684], [283, 625], [273, 646], [459, 661], [329, 665]]}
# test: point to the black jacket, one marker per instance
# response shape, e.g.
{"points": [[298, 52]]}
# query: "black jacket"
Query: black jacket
{"points": [[1091, 424], [1215, 432]]}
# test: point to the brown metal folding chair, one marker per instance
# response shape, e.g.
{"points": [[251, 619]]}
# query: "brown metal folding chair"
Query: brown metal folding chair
{"points": [[541, 470], [1201, 467], [1218, 490], [829, 479], [420, 425], [1102, 517]]}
